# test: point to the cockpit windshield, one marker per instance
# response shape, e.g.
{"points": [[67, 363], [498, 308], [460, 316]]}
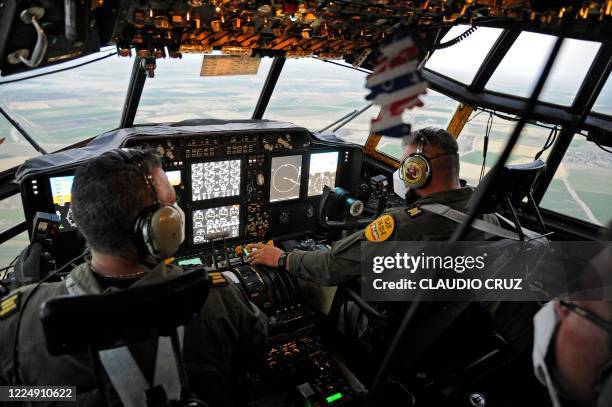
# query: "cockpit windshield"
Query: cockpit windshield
{"points": [[519, 70], [178, 92], [309, 92], [314, 94], [64, 108]]}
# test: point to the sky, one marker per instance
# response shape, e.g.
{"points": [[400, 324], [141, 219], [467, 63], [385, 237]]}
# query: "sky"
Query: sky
{"points": [[521, 66]]}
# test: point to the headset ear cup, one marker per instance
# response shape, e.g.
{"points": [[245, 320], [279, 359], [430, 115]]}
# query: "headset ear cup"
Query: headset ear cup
{"points": [[166, 231], [416, 171]]}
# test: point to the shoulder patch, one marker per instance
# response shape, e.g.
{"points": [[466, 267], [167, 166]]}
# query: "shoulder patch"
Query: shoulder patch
{"points": [[414, 211], [381, 229], [218, 279], [9, 305]]}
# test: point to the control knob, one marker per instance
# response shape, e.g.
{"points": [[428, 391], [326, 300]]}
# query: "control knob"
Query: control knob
{"points": [[284, 217]]}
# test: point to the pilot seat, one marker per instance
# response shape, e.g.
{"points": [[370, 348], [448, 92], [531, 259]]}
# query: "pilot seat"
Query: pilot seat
{"points": [[106, 325]]}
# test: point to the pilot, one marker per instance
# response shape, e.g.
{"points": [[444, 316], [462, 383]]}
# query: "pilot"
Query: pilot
{"points": [[342, 262], [109, 193], [572, 350]]}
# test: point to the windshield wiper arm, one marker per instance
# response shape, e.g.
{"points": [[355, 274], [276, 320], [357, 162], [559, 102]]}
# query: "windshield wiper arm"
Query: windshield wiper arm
{"points": [[344, 66], [338, 121], [23, 132], [353, 117], [347, 118]]}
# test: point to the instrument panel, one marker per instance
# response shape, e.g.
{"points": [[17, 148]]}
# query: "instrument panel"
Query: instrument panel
{"points": [[253, 185], [250, 185]]}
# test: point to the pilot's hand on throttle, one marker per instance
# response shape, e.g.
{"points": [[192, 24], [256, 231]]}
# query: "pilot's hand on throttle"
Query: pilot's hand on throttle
{"points": [[264, 255]]}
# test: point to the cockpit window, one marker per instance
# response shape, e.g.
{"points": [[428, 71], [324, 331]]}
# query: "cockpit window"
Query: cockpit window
{"points": [[519, 71], [563, 83], [178, 92], [64, 108], [462, 60], [604, 101], [437, 111], [314, 94], [11, 214], [14, 148], [581, 187], [472, 143]]}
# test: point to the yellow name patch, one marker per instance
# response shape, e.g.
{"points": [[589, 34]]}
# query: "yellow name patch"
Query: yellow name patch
{"points": [[9, 306], [381, 229]]}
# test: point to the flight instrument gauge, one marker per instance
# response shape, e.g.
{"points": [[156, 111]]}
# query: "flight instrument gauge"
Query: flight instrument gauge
{"points": [[285, 178], [310, 211], [70, 218]]}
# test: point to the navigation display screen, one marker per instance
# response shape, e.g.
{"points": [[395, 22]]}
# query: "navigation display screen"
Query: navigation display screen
{"points": [[218, 179], [323, 167], [196, 261], [285, 175], [223, 218], [62, 197], [174, 177]]}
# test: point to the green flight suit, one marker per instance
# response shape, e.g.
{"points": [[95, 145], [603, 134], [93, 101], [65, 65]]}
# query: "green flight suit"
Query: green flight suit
{"points": [[342, 262], [218, 343]]}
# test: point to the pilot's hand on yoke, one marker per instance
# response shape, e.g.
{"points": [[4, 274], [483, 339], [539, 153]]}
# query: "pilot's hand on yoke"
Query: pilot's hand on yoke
{"points": [[27, 266], [264, 255]]}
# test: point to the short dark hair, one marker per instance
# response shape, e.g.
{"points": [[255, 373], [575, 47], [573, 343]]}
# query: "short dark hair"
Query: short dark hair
{"points": [[439, 139], [431, 136], [108, 194]]}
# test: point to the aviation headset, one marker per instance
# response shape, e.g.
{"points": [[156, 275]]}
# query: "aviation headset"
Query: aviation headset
{"points": [[416, 170], [159, 229]]}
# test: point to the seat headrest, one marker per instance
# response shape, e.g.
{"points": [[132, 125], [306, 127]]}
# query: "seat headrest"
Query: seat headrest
{"points": [[72, 324], [514, 181]]}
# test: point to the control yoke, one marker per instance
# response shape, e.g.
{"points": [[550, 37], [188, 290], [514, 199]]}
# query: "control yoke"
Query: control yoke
{"points": [[338, 209]]}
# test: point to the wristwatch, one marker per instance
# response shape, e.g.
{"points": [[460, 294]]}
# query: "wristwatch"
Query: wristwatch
{"points": [[282, 260]]}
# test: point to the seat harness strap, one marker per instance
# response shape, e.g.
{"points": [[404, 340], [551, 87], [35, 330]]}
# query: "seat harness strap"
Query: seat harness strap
{"points": [[125, 374]]}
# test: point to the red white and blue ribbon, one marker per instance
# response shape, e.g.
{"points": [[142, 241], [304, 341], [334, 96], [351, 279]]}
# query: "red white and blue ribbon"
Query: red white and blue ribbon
{"points": [[395, 85]]}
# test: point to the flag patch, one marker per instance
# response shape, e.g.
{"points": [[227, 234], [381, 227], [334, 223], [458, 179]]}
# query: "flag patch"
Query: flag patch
{"points": [[381, 229]]}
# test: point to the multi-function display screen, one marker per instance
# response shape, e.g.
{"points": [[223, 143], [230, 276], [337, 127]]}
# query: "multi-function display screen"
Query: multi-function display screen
{"points": [[174, 177], [323, 167], [217, 179], [61, 191], [223, 218], [285, 178]]}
